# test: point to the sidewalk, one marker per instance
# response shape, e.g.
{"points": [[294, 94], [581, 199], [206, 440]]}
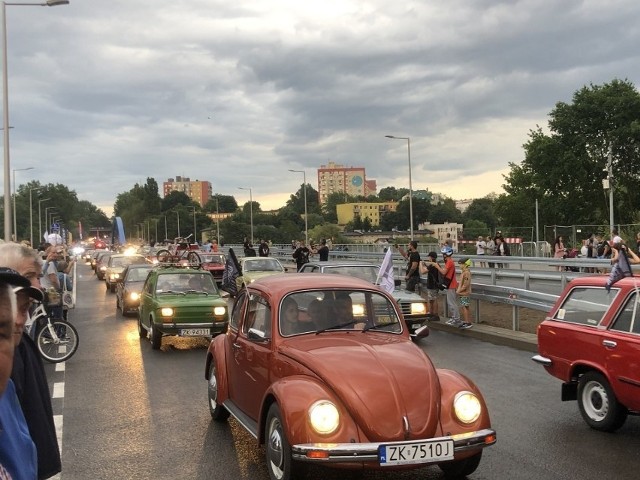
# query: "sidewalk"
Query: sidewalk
{"points": [[487, 333]]}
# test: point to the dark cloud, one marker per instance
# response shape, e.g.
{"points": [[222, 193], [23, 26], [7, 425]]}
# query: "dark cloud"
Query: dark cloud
{"points": [[239, 92]]}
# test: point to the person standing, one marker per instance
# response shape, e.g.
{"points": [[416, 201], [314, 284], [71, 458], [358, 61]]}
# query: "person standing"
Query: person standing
{"points": [[323, 251], [559, 250], [432, 287], [28, 373], [464, 291], [18, 456], [412, 276], [449, 281], [480, 248], [490, 249], [263, 248], [301, 255]]}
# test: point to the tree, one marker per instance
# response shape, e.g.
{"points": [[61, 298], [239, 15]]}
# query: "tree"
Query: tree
{"points": [[175, 198], [445, 211], [564, 169], [482, 210], [394, 194], [221, 203], [296, 201]]}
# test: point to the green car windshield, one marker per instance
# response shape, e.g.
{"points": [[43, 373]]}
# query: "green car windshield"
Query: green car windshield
{"points": [[186, 282]]}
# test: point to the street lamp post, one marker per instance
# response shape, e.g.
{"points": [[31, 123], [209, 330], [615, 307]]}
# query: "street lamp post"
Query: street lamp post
{"points": [[218, 220], [410, 185], [5, 109], [195, 236], [31, 213], [250, 209], [15, 227], [178, 215], [306, 224], [166, 232], [40, 217]]}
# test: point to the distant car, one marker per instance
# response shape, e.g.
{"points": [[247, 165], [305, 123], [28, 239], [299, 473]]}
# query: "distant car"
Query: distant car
{"points": [[214, 263], [591, 341], [116, 265], [320, 369], [180, 301], [129, 289], [414, 307], [94, 258], [101, 264], [253, 268]]}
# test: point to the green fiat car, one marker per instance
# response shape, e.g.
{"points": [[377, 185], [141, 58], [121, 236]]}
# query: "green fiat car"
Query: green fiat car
{"points": [[180, 301]]}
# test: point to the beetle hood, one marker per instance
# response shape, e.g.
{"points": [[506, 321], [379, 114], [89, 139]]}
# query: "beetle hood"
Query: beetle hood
{"points": [[381, 383]]}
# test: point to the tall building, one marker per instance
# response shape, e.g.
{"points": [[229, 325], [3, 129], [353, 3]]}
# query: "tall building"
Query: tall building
{"points": [[333, 178], [347, 212], [198, 191]]}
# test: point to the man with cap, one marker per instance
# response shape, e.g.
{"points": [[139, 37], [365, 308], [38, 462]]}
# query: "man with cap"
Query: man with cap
{"points": [[18, 458], [449, 281], [28, 372]]}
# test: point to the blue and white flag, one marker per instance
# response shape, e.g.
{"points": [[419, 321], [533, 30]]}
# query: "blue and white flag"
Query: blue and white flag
{"points": [[386, 278]]}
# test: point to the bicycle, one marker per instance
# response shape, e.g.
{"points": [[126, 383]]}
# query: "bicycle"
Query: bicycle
{"points": [[57, 340], [181, 253]]}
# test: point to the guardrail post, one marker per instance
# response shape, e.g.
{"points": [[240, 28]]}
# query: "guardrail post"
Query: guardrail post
{"points": [[477, 311], [515, 318], [526, 281]]}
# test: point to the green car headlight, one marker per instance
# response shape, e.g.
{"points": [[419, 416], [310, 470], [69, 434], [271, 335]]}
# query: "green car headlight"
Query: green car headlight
{"points": [[166, 312], [134, 296], [467, 407], [324, 417], [219, 311], [418, 308]]}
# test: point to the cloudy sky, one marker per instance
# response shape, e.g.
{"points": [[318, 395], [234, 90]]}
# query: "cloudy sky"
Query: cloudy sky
{"points": [[105, 93]]}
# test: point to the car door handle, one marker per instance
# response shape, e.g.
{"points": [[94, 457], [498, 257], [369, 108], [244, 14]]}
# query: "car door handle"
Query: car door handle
{"points": [[609, 343], [236, 345]]}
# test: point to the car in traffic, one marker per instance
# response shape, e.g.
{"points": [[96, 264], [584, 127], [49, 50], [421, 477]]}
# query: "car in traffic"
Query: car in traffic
{"points": [[116, 265], [213, 263], [414, 307], [253, 268], [101, 264], [129, 289], [321, 369], [591, 341], [180, 301]]}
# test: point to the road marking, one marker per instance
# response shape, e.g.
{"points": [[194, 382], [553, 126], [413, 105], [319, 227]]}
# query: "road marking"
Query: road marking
{"points": [[58, 390], [60, 367], [57, 420]]}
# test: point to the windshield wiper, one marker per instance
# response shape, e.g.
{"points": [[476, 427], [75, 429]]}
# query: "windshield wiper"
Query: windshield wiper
{"points": [[173, 292], [379, 325], [341, 325], [198, 291]]}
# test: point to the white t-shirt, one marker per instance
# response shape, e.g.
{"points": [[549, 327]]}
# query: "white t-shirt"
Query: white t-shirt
{"points": [[480, 246], [45, 281]]}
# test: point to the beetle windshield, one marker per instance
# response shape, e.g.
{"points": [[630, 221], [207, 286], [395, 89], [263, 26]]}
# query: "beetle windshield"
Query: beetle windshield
{"points": [[332, 310]]}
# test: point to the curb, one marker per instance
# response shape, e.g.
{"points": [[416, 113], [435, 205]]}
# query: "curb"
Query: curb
{"points": [[496, 335]]}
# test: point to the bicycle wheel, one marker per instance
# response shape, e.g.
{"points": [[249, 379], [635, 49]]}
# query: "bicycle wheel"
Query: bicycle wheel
{"points": [[194, 259], [164, 256], [57, 345]]}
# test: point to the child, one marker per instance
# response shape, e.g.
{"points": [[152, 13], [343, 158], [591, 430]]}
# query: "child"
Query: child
{"points": [[464, 291]]}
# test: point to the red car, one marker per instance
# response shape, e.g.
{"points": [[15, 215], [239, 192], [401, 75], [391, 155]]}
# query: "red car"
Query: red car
{"points": [[214, 263], [321, 369], [591, 341]]}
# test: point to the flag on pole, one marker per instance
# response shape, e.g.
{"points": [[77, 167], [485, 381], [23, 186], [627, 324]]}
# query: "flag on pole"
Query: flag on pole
{"points": [[386, 278], [231, 272], [621, 269]]}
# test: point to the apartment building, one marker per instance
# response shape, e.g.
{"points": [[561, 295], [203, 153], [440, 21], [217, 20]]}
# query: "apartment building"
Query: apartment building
{"points": [[197, 190]]}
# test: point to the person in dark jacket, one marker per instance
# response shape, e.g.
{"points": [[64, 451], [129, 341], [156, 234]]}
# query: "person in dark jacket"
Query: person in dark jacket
{"points": [[323, 251], [28, 372]]}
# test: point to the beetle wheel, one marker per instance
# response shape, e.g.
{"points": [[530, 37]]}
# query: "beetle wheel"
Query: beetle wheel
{"points": [[598, 404], [218, 412], [278, 450], [461, 468]]}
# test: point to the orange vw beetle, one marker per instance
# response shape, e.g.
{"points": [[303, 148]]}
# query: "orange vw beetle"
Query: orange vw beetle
{"points": [[320, 369]]}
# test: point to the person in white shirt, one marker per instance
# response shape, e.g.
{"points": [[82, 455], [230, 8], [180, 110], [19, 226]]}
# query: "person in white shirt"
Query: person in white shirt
{"points": [[481, 245]]}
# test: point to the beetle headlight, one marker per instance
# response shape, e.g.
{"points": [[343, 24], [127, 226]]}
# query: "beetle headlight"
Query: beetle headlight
{"points": [[166, 312], [219, 311], [467, 407], [418, 308], [324, 417]]}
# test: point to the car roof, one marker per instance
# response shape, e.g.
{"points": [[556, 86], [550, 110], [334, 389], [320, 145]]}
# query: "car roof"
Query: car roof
{"points": [[283, 283], [600, 280], [344, 263]]}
